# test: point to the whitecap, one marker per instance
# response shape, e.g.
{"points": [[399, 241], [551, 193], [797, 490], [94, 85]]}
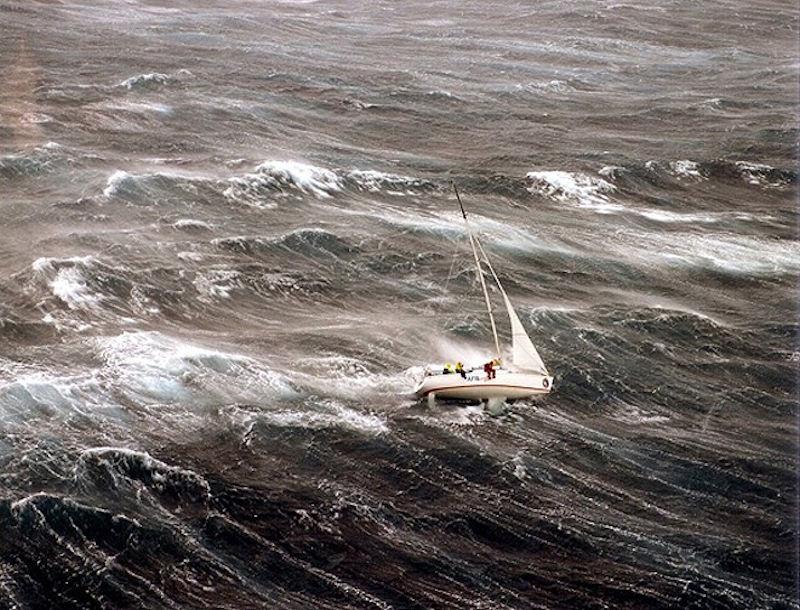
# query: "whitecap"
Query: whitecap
{"points": [[36, 118], [191, 224], [70, 286], [728, 253], [669, 217], [67, 281], [327, 414], [115, 182], [277, 177], [216, 283], [374, 181], [149, 367], [309, 178], [760, 174], [128, 463], [611, 171], [551, 86], [685, 168], [573, 187], [350, 378], [153, 78]]}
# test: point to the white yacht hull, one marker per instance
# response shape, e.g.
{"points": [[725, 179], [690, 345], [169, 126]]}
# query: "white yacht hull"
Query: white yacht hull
{"points": [[506, 385]]}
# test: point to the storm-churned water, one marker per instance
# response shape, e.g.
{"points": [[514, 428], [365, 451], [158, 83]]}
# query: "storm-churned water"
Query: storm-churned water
{"points": [[228, 245]]}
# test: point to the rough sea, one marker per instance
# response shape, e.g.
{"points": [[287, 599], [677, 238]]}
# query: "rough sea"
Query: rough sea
{"points": [[229, 246]]}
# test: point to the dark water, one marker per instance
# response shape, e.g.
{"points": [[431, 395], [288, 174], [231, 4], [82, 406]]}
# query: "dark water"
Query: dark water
{"points": [[228, 245]]}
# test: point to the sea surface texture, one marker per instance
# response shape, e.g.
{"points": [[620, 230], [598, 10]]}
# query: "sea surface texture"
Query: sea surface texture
{"points": [[229, 246]]}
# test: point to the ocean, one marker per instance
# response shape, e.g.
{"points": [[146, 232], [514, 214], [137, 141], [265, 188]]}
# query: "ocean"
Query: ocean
{"points": [[229, 246]]}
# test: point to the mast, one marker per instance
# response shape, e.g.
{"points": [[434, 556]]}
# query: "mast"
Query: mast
{"points": [[480, 272]]}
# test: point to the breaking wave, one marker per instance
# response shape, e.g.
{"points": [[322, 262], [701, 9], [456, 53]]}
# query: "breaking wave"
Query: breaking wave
{"points": [[153, 79]]}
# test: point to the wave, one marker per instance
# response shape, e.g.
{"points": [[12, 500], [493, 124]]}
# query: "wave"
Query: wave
{"points": [[721, 252], [150, 367], [685, 168], [760, 174], [392, 184], [286, 177], [32, 162], [123, 183], [116, 182], [327, 414], [191, 224], [586, 191], [663, 173], [220, 283], [305, 241], [113, 468], [68, 280], [43, 396], [149, 188], [217, 283], [677, 217], [449, 225], [279, 175], [153, 79], [551, 86], [139, 368], [350, 378]]}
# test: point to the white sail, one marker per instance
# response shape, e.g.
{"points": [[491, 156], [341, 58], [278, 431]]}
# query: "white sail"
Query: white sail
{"points": [[523, 353]]}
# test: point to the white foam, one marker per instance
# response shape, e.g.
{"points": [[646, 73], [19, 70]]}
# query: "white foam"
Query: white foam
{"points": [[191, 223], [611, 171], [572, 187], [142, 368], [149, 367], [139, 107], [721, 251], [36, 118], [190, 256], [32, 393], [758, 174], [309, 178], [48, 263], [685, 168], [451, 226], [669, 217], [67, 281], [216, 283], [330, 413], [114, 182], [318, 181], [160, 473], [551, 86], [145, 79], [372, 180], [631, 414], [350, 378], [70, 286]]}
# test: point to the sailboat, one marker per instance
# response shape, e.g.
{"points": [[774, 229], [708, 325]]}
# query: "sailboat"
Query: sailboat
{"points": [[525, 377]]}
